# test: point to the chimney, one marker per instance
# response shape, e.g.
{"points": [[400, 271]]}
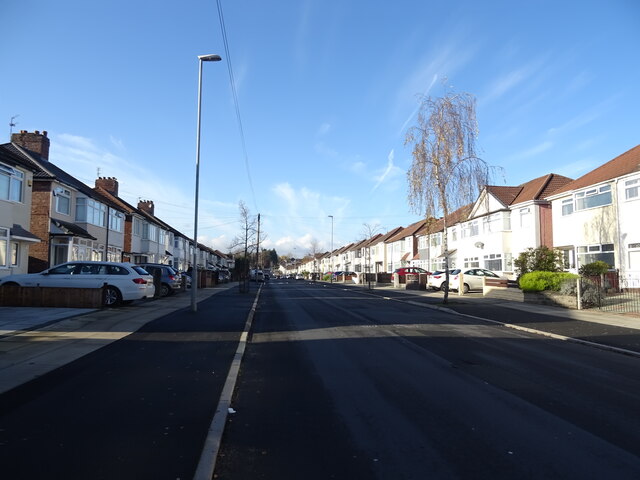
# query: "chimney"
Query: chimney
{"points": [[36, 142], [146, 206], [110, 184]]}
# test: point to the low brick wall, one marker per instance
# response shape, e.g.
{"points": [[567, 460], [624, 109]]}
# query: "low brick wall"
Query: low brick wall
{"points": [[13, 296], [539, 298]]}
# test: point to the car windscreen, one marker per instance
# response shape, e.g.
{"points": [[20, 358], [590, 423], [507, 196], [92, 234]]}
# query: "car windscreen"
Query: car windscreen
{"points": [[140, 270]]}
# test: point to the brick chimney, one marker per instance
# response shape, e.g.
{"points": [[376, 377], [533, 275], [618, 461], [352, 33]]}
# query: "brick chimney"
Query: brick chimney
{"points": [[110, 184], [36, 142], [146, 206]]}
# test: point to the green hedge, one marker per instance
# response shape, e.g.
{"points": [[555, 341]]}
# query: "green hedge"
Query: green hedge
{"points": [[539, 281]]}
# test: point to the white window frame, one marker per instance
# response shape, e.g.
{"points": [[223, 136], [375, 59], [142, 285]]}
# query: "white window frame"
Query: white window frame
{"points": [[63, 193], [583, 197], [15, 183], [632, 189], [4, 248]]}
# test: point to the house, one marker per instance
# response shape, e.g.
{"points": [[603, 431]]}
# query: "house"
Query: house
{"points": [[505, 221], [595, 217], [378, 250], [16, 182], [403, 246], [146, 238], [431, 252], [72, 220]]}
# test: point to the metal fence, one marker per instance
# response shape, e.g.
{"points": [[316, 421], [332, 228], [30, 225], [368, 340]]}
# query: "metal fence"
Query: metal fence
{"points": [[610, 293]]}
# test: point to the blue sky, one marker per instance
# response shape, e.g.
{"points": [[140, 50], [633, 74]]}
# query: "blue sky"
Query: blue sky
{"points": [[326, 91]]}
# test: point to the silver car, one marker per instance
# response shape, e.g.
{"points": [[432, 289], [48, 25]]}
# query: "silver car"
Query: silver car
{"points": [[124, 281]]}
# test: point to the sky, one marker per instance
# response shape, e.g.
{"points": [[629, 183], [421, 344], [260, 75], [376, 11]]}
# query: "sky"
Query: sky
{"points": [[325, 92]]}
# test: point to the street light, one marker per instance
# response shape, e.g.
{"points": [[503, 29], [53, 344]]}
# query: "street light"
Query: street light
{"points": [[194, 271], [331, 254]]}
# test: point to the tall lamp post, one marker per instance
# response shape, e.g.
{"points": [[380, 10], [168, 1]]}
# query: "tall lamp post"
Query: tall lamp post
{"points": [[331, 254], [194, 271]]}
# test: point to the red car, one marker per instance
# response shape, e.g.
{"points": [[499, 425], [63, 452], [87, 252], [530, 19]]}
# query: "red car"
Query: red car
{"points": [[414, 270]]}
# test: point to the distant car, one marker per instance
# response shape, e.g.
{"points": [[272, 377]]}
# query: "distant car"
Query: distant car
{"points": [[299, 276], [124, 281], [170, 279], [472, 278], [259, 276], [438, 278], [414, 270]]}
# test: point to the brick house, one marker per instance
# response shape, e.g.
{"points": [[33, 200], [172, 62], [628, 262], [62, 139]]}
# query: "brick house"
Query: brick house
{"points": [[72, 220]]}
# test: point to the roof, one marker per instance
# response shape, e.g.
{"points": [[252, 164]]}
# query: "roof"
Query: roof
{"points": [[454, 217], [628, 162], [407, 231], [62, 228], [18, 232], [536, 189], [9, 154]]}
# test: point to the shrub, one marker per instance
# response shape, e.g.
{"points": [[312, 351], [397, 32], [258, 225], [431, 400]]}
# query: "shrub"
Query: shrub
{"points": [[539, 259], [540, 281], [593, 269]]}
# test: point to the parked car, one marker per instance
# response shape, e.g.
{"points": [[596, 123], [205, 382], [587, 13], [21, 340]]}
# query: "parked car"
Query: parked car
{"points": [[472, 278], [187, 278], [299, 276], [125, 281], [415, 270], [170, 279], [437, 278]]}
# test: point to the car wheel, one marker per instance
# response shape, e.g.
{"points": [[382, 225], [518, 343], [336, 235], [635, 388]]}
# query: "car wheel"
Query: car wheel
{"points": [[112, 297], [443, 286], [10, 284], [164, 290], [466, 288]]}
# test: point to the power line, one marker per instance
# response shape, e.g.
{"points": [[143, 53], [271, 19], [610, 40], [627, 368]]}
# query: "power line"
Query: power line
{"points": [[235, 100]]}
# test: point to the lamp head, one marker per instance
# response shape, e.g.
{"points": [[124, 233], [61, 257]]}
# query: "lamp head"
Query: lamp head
{"points": [[210, 58]]}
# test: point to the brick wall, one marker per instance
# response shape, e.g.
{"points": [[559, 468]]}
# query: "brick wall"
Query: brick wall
{"points": [[40, 226], [36, 142]]}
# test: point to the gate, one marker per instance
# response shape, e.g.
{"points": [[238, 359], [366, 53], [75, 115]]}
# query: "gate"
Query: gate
{"points": [[610, 293]]}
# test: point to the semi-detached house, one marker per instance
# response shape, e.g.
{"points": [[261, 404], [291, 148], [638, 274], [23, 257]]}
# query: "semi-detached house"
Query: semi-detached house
{"points": [[595, 217]]}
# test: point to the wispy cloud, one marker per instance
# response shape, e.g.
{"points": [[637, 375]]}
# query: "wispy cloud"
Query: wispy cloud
{"points": [[391, 171], [510, 80], [532, 151]]}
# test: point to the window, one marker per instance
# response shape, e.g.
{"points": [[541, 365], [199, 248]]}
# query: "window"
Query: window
{"points": [[634, 256], [63, 200], [631, 189], [15, 254], [591, 253], [594, 197], [525, 217], [567, 206], [493, 223], [137, 226], [470, 229], [11, 181], [422, 242], [454, 234], [115, 220], [91, 211], [493, 261], [435, 239], [471, 262], [4, 245]]}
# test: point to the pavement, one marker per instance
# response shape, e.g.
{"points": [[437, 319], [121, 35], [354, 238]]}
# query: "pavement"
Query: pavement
{"points": [[34, 341], [600, 329]]}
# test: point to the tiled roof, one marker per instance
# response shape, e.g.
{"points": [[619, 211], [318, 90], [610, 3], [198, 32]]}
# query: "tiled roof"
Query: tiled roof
{"points": [[457, 216], [624, 164], [406, 232], [535, 189]]}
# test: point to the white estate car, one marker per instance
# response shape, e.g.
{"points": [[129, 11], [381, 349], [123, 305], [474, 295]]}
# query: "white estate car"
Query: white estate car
{"points": [[125, 281]]}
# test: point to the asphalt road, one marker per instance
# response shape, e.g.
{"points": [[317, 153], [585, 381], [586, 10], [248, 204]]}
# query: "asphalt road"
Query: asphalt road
{"points": [[336, 384], [138, 408]]}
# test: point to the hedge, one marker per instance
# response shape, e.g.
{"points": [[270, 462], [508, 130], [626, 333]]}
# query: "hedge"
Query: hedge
{"points": [[539, 281]]}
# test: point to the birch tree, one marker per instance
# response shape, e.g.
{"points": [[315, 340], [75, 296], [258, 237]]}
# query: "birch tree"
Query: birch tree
{"points": [[446, 172]]}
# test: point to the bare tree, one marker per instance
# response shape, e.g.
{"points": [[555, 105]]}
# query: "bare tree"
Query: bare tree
{"points": [[445, 173], [314, 252], [246, 240], [368, 232]]}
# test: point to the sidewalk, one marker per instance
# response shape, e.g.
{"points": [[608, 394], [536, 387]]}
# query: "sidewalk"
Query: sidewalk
{"points": [[34, 341], [619, 332]]}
